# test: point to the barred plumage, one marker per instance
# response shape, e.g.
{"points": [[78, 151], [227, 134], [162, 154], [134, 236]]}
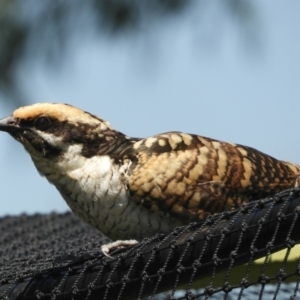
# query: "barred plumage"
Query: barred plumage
{"points": [[131, 187]]}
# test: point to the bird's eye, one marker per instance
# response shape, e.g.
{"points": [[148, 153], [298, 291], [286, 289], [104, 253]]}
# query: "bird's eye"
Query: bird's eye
{"points": [[42, 123]]}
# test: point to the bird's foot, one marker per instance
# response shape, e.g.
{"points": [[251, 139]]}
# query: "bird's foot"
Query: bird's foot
{"points": [[107, 248]]}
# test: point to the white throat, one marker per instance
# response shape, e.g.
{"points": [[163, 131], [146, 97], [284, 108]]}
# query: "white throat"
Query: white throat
{"points": [[89, 178], [92, 187]]}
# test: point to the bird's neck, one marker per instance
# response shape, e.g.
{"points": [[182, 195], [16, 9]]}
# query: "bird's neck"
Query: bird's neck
{"points": [[72, 169]]}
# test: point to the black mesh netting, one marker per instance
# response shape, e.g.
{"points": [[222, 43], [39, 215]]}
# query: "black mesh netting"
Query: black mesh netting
{"points": [[56, 256]]}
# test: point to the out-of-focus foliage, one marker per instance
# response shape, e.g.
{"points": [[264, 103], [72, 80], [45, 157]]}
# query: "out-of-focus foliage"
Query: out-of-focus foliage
{"points": [[13, 37], [33, 29]]}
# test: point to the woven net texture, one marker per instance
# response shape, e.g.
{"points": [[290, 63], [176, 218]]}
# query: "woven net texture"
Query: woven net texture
{"points": [[56, 256]]}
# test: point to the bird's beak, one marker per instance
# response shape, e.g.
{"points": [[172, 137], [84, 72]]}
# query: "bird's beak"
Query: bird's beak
{"points": [[8, 124]]}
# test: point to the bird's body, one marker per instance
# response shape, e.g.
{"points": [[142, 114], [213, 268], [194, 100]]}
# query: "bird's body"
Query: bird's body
{"points": [[133, 188]]}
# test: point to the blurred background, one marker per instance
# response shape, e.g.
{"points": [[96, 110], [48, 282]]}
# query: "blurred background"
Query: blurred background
{"points": [[226, 69]]}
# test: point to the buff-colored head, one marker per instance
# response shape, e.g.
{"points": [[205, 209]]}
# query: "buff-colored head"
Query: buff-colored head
{"points": [[48, 129], [57, 111]]}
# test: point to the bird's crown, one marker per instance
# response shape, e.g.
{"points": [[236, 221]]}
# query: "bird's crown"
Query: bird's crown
{"points": [[57, 112]]}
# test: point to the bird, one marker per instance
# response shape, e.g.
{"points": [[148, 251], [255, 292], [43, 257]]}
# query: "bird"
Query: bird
{"points": [[132, 188]]}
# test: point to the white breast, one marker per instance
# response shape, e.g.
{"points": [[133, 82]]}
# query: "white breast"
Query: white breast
{"points": [[96, 190]]}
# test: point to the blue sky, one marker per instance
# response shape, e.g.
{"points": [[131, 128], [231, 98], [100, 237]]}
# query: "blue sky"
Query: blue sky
{"points": [[208, 82]]}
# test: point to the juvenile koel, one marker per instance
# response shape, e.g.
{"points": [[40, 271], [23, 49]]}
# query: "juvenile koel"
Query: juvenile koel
{"points": [[131, 188]]}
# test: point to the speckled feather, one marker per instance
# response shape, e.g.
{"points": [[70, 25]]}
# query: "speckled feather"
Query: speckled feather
{"points": [[190, 176], [132, 188]]}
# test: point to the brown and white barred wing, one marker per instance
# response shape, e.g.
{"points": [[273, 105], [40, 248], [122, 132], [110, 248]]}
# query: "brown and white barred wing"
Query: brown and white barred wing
{"points": [[190, 177]]}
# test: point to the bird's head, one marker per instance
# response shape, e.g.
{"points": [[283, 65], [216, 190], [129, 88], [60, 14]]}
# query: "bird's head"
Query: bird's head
{"points": [[47, 130]]}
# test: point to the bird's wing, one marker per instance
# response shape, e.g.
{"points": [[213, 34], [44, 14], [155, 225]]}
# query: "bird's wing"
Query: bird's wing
{"points": [[190, 176]]}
